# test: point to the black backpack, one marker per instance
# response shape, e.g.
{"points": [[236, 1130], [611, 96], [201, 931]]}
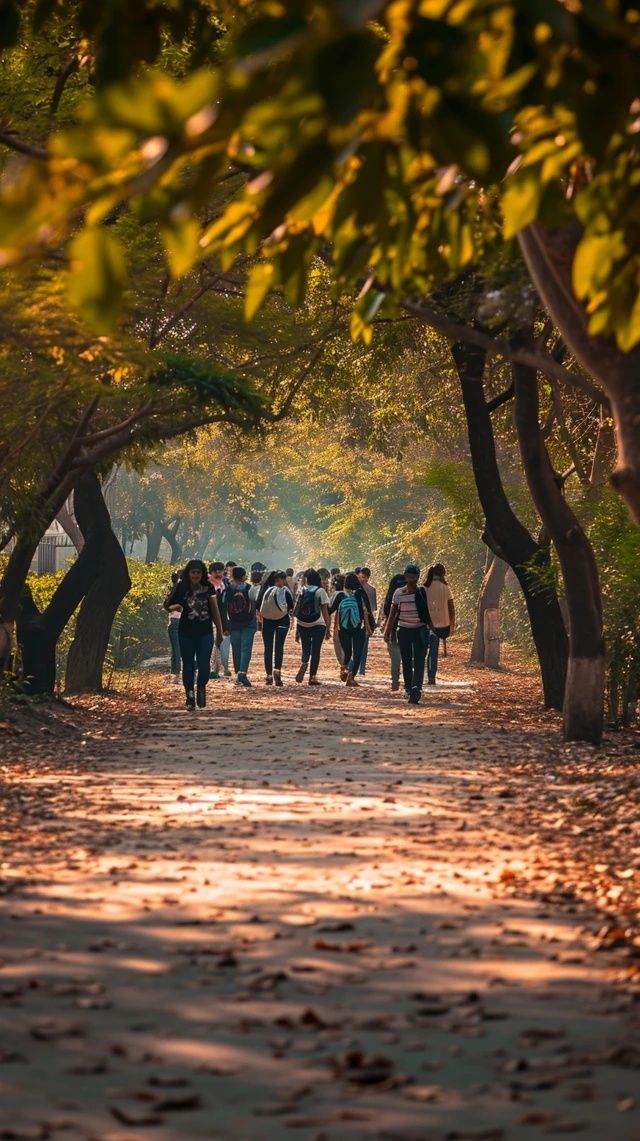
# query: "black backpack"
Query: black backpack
{"points": [[308, 605], [240, 607]]}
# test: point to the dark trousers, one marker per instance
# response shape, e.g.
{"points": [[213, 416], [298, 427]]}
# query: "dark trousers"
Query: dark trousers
{"points": [[353, 643], [413, 651], [274, 635], [312, 638], [195, 652]]}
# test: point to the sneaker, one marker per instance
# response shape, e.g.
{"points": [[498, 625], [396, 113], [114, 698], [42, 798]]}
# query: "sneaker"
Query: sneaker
{"points": [[245, 680], [214, 675], [313, 680], [395, 688], [414, 696], [227, 673], [431, 681], [239, 680], [268, 680], [351, 680], [191, 699], [277, 679], [301, 672], [344, 673], [201, 697]]}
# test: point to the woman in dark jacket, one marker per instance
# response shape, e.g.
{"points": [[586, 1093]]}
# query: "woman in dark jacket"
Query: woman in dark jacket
{"points": [[194, 593]]}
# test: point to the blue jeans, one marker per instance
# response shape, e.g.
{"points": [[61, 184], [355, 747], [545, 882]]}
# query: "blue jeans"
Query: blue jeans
{"points": [[435, 635], [195, 651], [174, 642], [242, 647]]}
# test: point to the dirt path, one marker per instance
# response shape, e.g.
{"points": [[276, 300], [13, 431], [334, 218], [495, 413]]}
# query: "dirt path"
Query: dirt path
{"points": [[307, 913]]}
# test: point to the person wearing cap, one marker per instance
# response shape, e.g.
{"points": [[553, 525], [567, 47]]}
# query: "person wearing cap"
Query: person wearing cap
{"points": [[410, 615]]}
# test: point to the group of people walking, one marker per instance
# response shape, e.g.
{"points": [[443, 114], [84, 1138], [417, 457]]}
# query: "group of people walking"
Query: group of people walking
{"points": [[215, 614]]}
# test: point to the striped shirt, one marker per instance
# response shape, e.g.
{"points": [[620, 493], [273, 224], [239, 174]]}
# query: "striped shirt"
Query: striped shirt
{"points": [[406, 603]]}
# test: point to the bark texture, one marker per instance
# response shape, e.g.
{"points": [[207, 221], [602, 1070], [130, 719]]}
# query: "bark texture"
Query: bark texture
{"points": [[507, 536], [93, 626], [549, 256], [583, 711], [489, 600]]}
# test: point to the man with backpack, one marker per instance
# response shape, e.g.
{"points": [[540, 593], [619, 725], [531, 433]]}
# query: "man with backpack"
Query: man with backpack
{"points": [[239, 621], [354, 624], [312, 616], [410, 614]]}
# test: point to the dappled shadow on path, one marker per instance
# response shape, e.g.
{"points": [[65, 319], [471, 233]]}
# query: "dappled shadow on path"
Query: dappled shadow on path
{"points": [[300, 919]]}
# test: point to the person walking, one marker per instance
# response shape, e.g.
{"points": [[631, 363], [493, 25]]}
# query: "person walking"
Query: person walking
{"points": [[364, 575], [239, 621], [312, 617], [172, 631], [221, 653], [199, 613], [335, 598], [410, 613], [355, 621], [274, 604], [443, 615], [397, 581]]}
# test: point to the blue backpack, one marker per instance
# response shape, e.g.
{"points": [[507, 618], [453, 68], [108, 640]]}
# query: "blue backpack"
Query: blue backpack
{"points": [[349, 616]]}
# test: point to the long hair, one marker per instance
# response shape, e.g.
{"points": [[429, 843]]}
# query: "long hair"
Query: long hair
{"points": [[396, 581], [436, 571], [194, 564]]}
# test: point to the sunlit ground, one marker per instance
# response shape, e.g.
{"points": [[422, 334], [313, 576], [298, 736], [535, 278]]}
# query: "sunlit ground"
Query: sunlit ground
{"points": [[302, 914]]}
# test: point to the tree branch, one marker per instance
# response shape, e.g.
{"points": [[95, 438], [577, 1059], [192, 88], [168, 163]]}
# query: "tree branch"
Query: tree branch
{"points": [[542, 362]]}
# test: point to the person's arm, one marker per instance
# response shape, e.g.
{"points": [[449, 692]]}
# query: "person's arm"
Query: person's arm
{"points": [[367, 613], [390, 624], [215, 614], [327, 619], [222, 610], [452, 616], [172, 601]]}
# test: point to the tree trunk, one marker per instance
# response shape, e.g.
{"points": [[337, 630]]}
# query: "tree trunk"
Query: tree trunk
{"points": [[507, 536], [95, 619], [170, 534], [154, 539], [70, 526], [549, 257], [489, 600], [38, 633], [583, 712]]}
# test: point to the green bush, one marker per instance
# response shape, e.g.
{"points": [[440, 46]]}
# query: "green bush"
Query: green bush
{"points": [[140, 626]]}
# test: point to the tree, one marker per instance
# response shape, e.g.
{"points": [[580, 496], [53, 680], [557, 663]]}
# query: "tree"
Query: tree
{"points": [[408, 136]]}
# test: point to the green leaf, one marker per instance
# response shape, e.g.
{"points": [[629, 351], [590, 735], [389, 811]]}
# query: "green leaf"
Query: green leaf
{"points": [[98, 271], [593, 261], [181, 242], [521, 200], [261, 279]]}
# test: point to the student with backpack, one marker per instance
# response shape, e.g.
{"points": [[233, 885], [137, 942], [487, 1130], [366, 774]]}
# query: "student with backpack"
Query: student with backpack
{"points": [[397, 580], [239, 620], [220, 661], [334, 602], [275, 603], [354, 624], [314, 624], [410, 614], [199, 613]]}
